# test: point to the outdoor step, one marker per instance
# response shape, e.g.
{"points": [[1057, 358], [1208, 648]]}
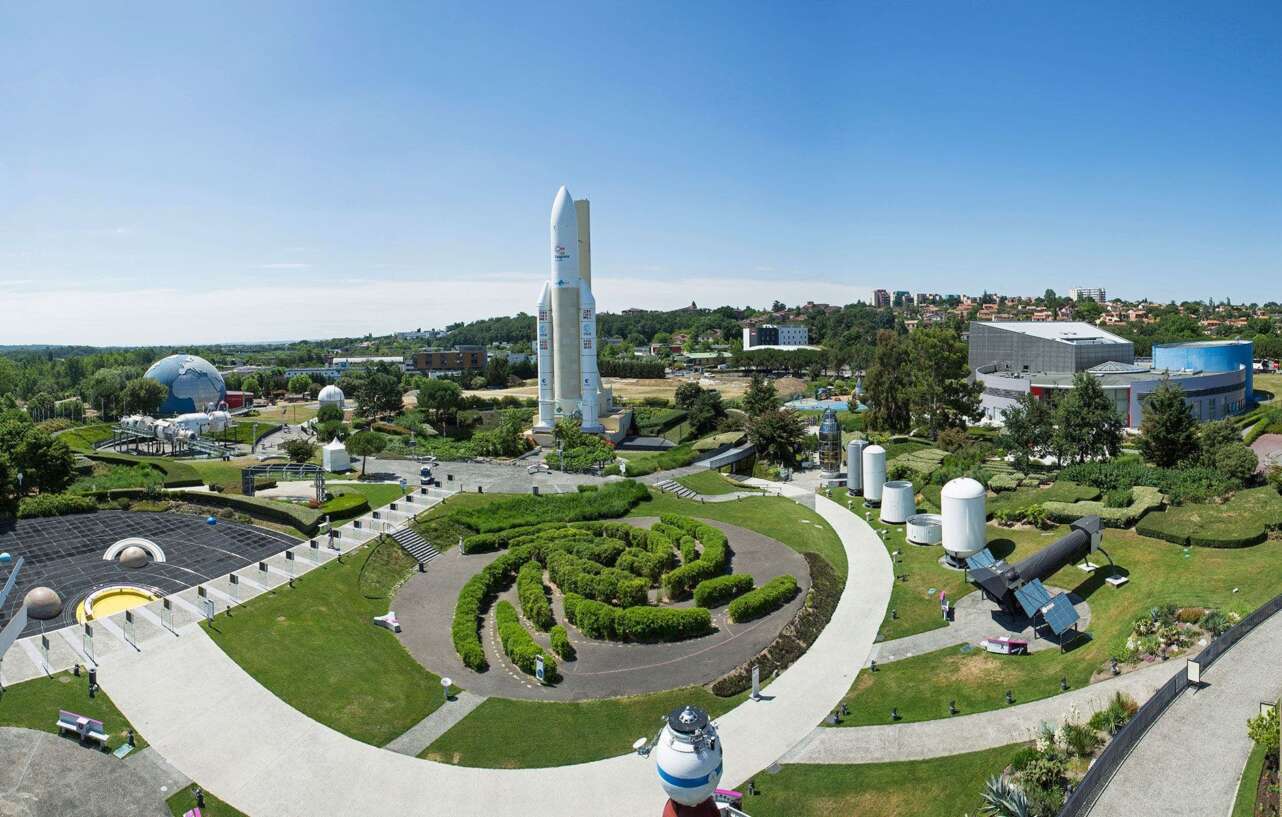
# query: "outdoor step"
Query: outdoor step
{"points": [[415, 545]]}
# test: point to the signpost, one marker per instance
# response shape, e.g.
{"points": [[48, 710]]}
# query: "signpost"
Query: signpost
{"points": [[233, 582], [88, 641], [167, 614], [130, 632], [756, 683], [206, 603], [44, 651]]}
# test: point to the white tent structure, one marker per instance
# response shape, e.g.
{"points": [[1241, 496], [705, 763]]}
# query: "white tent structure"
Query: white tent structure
{"points": [[334, 457]]}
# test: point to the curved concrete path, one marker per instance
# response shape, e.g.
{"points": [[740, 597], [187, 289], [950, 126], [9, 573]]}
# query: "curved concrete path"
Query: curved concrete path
{"points": [[1190, 761], [971, 733], [213, 722]]}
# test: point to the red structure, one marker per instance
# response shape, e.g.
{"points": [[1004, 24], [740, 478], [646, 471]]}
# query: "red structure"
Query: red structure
{"points": [[705, 809]]}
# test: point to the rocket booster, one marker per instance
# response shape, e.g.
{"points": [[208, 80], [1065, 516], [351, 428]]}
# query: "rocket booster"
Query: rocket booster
{"points": [[565, 304], [543, 349], [590, 380]]}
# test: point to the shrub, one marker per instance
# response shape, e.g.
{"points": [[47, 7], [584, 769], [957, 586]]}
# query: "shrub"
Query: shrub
{"points": [[54, 505], [177, 474], [716, 592], [534, 600], [1114, 716], [1237, 462], [1244, 520], [1081, 739], [1214, 622], [953, 439], [764, 600], [590, 580], [519, 645], [472, 597], [611, 501], [561, 643], [1180, 484], [1144, 499], [678, 457], [594, 619], [1118, 498], [679, 582], [1023, 756], [663, 623]]}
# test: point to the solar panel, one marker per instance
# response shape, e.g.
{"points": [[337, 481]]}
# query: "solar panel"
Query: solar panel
{"points": [[1033, 597], [1059, 614], [984, 558]]}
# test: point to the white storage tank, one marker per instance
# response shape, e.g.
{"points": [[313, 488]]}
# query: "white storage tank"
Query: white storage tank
{"points": [[874, 467], [962, 502], [855, 465], [925, 529], [897, 502], [688, 757]]}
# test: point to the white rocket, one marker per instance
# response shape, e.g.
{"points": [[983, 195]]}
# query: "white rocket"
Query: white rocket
{"points": [[569, 384]]}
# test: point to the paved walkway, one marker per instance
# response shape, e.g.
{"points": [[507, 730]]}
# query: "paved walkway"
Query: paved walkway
{"points": [[44, 775], [217, 725], [971, 733], [421, 735], [1190, 761]]}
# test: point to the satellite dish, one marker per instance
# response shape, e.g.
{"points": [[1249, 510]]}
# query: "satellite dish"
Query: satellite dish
{"points": [[639, 744]]}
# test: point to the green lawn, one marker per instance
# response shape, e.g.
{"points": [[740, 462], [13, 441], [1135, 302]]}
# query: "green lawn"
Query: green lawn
{"points": [[378, 494], [796, 526], [242, 431], [940, 787], [1244, 803], [182, 801], [920, 687], [313, 646], [507, 734], [1245, 519], [84, 437], [34, 704], [711, 483]]}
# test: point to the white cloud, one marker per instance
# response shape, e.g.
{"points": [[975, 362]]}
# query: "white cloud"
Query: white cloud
{"points": [[285, 265]]}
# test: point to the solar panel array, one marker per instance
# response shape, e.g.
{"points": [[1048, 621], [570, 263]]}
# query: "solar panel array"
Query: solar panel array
{"points": [[984, 558], [1059, 614], [1033, 597]]}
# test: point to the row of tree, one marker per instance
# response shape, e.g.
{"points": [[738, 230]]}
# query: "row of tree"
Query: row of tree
{"points": [[920, 380]]}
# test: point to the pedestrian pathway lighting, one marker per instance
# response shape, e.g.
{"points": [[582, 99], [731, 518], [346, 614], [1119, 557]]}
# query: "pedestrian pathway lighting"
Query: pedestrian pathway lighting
{"points": [[445, 688]]}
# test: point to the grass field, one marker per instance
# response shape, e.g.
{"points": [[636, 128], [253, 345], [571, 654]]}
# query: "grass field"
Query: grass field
{"points": [[84, 437], [243, 431], [1160, 573], [378, 494], [798, 527], [182, 801], [34, 704], [941, 787], [711, 483], [1244, 802], [314, 647], [508, 734]]}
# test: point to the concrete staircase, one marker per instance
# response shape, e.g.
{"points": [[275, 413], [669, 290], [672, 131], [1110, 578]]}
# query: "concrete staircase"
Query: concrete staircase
{"points": [[415, 545], [671, 486]]}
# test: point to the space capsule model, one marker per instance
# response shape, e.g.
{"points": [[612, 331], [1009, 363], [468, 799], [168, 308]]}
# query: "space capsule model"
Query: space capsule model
{"points": [[688, 760]]}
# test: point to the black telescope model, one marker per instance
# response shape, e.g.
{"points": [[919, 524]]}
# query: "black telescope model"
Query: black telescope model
{"points": [[1019, 589]]}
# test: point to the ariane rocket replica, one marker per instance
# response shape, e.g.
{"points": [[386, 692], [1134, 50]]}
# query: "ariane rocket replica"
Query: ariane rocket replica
{"points": [[569, 385]]}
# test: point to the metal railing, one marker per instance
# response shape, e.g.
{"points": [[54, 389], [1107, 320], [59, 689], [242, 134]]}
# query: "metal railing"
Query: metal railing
{"points": [[1100, 774]]}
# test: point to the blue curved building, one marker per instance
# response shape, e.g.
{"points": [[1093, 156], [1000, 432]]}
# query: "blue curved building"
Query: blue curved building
{"points": [[192, 382], [1208, 356]]}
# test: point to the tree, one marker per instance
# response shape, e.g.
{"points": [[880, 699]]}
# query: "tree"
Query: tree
{"points": [[940, 393], [885, 385], [777, 435], [102, 389], [46, 464], [703, 406], [760, 397], [329, 414], [143, 395], [1028, 427], [497, 372], [299, 384], [365, 443], [250, 384], [1087, 425], [40, 406], [1212, 436], [1263, 729], [1168, 430], [1237, 462], [299, 450], [442, 398], [378, 394]]}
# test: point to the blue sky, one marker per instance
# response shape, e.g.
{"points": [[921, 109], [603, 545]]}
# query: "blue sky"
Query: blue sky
{"points": [[277, 170]]}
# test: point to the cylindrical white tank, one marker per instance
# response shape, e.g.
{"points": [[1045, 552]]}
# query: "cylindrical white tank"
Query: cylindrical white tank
{"points": [[897, 502], [925, 529], [855, 465], [874, 473], [962, 502], [590, 381], [547, 401], [688, 757]]}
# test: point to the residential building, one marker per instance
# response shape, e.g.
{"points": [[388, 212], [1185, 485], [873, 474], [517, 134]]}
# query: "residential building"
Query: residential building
{"points": [[775, 335], [1082, 293], [459, 360], [880, 298]]}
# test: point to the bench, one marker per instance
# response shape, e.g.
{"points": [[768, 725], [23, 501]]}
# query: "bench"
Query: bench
{"points": [[85, 728]]}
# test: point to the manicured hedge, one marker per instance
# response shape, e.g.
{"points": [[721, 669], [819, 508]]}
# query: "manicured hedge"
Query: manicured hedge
{"points": [[1244, 520], [467, 610], [561, 643], [519, 645], [1180, 484], [345, 506], [663, 623], [534, 599], [608, 584], [54, 505], [764, 600], [642, 562], [306, 520], [716, 592], [678, 457], [612, 501], [177, 474], [679, 582], [594, 619], [1143, 500]]}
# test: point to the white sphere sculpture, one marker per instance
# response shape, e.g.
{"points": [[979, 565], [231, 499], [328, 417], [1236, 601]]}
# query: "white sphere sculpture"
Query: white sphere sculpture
{"points": [[897, 502], [688, 757], [962, 502], [42, 603], [133, 556], [874, 473]]}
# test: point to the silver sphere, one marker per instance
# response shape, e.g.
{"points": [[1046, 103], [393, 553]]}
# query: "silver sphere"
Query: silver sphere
{"points": [[42, 603], [133, 557]]}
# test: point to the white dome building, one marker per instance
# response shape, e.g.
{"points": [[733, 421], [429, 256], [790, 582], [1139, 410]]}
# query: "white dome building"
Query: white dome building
{"points": [[962, 504], [331, 395]]}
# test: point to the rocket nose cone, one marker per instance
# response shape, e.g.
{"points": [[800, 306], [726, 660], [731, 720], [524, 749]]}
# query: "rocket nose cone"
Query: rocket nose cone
{"points": [[561, 204]]}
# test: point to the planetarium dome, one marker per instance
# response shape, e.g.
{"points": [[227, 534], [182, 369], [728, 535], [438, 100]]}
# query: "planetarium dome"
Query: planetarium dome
{"points": [[331, 395], [193, 383]]}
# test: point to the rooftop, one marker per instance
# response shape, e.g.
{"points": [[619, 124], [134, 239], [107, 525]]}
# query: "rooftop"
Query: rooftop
{"points": [[1075, 332]]}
